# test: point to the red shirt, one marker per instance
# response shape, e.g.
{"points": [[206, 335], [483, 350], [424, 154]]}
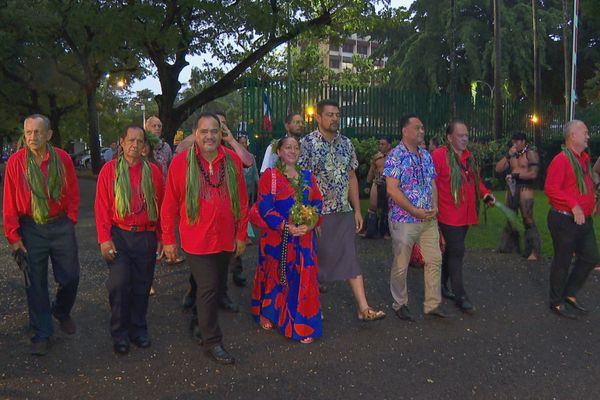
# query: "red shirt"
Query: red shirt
{"points": [[17, 195], [561, 184], [465, 213], [105, 210], [216, 229]]}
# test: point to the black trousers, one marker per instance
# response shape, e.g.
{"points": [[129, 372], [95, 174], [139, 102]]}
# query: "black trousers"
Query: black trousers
{"points": [[452, 259], [234, 265], [57, 241], [129, 280], [209, 271], [569, 238]]}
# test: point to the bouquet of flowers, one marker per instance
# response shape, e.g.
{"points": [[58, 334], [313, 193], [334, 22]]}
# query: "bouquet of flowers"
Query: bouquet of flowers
{"points": [[301, 214]]}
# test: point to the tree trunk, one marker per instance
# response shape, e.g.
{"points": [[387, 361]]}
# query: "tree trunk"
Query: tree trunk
{"points": [[497, 128], [453, 59], [566, 57], [54, 116], [537, 132], [93, 134]]}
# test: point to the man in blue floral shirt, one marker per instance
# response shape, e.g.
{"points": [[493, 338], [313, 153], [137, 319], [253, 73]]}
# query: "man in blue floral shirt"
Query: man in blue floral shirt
{"points": [[410, 175], [332, 159]]}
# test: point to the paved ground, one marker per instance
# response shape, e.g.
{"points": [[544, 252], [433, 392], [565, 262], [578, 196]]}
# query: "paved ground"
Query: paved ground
{"points": [[512, 348]]}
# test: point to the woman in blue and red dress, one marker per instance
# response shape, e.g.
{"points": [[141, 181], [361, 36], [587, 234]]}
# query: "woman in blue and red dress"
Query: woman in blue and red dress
{"points": [[285, 294]]}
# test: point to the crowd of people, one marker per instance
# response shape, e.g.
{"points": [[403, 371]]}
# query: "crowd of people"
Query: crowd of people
{"points": [[305, 202]]}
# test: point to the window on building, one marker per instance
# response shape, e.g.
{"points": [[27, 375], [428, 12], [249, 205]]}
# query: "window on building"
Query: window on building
{"points": [[362, 48], [348, 47], [334, 62], [334, 47]]}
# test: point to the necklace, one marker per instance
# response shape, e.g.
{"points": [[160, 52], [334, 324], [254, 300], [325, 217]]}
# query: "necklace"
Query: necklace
{"points": [[206, 175]]}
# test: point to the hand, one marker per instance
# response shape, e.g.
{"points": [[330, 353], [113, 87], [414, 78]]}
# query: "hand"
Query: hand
{"points": [[512, 151], [171, 253], [160, 251], [227, 136], [578, 215], [18, 245], [358, 220], [423, 213], [301, 230], [108, 250], [489, 200], [240, 247]]}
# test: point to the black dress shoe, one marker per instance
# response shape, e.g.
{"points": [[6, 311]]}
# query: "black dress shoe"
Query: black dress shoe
{"points": [[438, 313], [404, 313], [121, 346], [577, 306], [563, 311], [220, 355], [143, 341], [465, 305], [67, 325], [195, 330], [189, 299], [40, 347], [447, 293], [239, 280], [226, 304]]}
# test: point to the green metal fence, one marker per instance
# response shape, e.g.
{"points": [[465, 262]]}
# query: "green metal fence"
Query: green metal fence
{"points": [[375, 111]]}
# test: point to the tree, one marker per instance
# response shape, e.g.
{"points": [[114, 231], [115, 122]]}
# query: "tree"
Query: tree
{"points": [[237, 34]]}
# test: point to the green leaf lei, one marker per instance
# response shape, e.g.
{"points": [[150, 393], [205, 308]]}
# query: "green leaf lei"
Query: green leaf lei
{"points": [[192, 186], [35, 179], [122, 189], [579, 176], [300, 214], [457, 177]]}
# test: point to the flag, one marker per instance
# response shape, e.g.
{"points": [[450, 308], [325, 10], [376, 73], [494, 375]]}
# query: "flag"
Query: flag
{"points": [[267, 111]]}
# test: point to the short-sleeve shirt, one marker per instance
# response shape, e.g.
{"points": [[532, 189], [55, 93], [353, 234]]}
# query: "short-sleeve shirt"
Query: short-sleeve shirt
{"points": [[415, 174], [330, 163]]}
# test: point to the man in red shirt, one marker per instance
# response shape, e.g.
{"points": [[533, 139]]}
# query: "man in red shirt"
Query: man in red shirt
{"points": [[459, 190], [570, 190], [206, 191], [129, 193], [41, 204]]}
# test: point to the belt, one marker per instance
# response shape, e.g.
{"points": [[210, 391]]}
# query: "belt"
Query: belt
{"points": [[49, 220], [562, 212], [137, 228]]}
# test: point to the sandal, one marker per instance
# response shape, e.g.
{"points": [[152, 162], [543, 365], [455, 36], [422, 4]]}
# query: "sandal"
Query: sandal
{"points": [[266, 324], [369, 314], [307, 340]]}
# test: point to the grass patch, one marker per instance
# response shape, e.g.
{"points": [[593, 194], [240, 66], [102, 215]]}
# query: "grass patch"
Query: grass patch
{"points": [[487, 234]]}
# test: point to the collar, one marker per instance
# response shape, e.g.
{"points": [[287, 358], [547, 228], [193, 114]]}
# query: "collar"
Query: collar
{"points": [[319, 135]]}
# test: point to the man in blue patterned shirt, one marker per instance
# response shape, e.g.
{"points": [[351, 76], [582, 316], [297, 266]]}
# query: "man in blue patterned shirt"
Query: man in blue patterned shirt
{"points": [[410, 177], [332, 159]]}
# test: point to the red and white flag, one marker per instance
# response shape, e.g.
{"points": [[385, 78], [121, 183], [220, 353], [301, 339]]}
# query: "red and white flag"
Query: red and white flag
{"points": [[267, 111]]}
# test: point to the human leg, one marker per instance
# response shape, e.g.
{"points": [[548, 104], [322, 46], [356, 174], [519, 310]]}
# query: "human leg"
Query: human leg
{"points": [[144, 263], [532, 236], [38, 301], [429, 241]]}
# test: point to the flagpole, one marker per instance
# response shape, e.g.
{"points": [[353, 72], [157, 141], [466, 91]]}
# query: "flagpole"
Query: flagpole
{"points": [[574, 59]]}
